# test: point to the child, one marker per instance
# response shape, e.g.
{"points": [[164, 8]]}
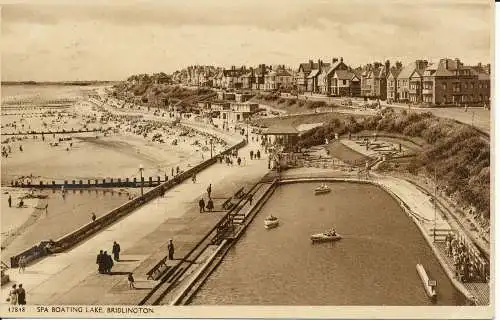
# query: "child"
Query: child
{"points": [[131, 281]]}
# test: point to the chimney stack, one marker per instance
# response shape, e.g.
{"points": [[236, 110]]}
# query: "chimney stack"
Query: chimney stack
{"points": [[334, 60], [342, 59]]}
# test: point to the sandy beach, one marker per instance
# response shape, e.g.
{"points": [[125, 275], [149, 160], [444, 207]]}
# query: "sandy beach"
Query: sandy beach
{"points": [[123, 144]]}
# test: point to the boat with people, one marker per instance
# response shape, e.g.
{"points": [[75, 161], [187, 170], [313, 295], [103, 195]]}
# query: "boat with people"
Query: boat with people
{"points": [[331, 235], [322, 189], [271, 222]]}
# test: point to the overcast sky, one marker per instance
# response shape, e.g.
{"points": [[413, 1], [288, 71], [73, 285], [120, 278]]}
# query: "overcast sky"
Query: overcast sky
{"points": [[110, 42]]}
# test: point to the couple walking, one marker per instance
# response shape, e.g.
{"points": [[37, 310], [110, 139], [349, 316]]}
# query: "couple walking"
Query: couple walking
{"points": [[17, 295]]}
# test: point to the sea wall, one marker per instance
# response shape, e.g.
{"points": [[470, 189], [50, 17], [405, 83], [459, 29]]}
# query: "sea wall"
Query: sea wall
{"points": [[69, 240]]}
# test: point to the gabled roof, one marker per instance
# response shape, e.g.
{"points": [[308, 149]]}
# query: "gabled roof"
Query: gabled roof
{"points": [[313, 73], [306, 67], [283, 73], [407, 71], [343, 74]]}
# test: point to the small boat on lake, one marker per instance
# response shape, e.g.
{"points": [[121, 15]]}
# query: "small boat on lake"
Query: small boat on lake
{"points": [[322, 189], [271, 222], [429, 285], [326, 236]]}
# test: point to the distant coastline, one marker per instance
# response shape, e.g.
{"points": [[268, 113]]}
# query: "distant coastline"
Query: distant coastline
{"points": [[65, 83]]}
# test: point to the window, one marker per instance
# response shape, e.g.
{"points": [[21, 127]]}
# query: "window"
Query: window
{"points": [[344, 82], [444, 86]]}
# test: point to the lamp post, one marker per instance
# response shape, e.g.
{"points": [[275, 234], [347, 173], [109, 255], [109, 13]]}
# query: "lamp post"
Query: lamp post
{"points": [[247, 131], [141, 169], [435, 203], [211, 148]]}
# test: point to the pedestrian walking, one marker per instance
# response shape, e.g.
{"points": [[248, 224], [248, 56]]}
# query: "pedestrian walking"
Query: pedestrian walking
{"points": [[21, 295], [22, 264], [171, 249], [172, 172], [250, 198], [108, 262], [239, 161], [258, 154], [131, 281], [13, 295], [209, 190], [10, 201], [100, 262], [46, 208], [177, 169], [116, 251], [210, 205], [94, 217], [201, 203], [251, 154]]}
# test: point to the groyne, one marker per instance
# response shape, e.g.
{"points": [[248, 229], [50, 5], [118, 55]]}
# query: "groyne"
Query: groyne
{"points": [[67, 241]]}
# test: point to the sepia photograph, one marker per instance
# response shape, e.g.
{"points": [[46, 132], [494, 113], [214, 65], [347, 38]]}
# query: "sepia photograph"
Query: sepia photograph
{"points": [[247, 158]]}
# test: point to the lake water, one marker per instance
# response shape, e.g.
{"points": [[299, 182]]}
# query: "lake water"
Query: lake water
{"points": [[374, 263]]}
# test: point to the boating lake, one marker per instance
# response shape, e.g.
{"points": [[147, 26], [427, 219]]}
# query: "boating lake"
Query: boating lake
{"points": [[374, 263]]}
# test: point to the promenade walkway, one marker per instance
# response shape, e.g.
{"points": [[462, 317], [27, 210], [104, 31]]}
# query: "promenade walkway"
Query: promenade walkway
{"points": [[71, 277]]}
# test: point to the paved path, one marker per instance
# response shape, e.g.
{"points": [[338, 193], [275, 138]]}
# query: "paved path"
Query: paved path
{"points": [[71, 277], [478, 117]]}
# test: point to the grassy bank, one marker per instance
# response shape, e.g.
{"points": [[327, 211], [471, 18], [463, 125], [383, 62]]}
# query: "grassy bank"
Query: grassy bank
{"points": [[456, 153], [292, 105], [154, 95], [296, 120]]}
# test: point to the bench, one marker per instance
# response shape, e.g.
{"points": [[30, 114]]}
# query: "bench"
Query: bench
{"points": [[157, 269], [240, 193], [227, 205]]}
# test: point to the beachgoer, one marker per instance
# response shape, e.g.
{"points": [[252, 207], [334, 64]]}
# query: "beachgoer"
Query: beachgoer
{"points": [[21, 295], [10, 201], [201, 203], [172, 172], [21, 204], [131, 281], [13, 295], [239, 161], [258, 154], [116, 251], [251, 154], [93, 217], [194, 178], [171, 249], [46, 208]]}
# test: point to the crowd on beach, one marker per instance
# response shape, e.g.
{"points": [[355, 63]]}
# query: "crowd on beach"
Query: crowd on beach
{"points": [[469, 266]]}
